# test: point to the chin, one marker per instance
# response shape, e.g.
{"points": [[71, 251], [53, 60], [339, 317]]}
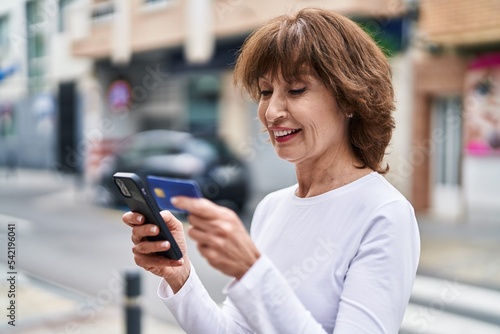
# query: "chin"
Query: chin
{"points": [[288, 156]]}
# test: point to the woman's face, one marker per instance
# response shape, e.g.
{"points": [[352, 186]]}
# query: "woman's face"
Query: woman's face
{"points": [[302, 118]]}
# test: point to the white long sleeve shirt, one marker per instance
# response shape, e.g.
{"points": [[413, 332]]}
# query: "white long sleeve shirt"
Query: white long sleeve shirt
{"points": [[340, 262]]}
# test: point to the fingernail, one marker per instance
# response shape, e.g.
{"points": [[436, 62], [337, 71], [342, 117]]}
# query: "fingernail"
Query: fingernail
{"points": [[181, 261], [174, 200], [140, 219], [154, 229], [165, 244]]}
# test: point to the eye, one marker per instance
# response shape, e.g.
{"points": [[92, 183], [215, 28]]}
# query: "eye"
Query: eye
{"points": [[297, 91], [264, 93]]}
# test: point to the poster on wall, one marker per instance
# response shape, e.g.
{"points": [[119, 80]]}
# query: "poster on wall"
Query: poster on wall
{"points": [[482, 106]]}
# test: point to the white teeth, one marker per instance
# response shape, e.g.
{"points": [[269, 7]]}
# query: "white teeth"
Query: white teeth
{"points": [[281, 133]]}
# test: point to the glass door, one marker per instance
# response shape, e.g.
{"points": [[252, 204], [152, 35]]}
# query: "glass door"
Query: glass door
{"points": [[447, 156]]}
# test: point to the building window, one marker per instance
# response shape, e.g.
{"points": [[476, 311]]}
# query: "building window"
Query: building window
{"points": [[203, 100], [63, 4], [154, 5], [102, 10], [4, 42], [36, 45], [4, 33], [448, 140], [155, 1]]}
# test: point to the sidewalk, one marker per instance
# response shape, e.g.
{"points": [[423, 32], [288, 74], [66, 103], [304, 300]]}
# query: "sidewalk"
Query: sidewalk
{"points": [[467, 251], [45, 308], [457, 289]]}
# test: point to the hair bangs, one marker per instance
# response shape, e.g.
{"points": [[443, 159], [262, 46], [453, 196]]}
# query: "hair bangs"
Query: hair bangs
{"points": [[279, 52]]}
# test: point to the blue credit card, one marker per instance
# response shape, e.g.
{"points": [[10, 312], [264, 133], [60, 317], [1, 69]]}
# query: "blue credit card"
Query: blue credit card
{"points": [[164, 188]]}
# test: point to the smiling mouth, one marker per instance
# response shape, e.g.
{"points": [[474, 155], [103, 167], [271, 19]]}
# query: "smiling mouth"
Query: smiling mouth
{"points": [[284, 133]]}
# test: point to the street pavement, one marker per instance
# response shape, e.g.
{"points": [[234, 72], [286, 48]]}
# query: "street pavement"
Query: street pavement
{"points": [[457, 289]]}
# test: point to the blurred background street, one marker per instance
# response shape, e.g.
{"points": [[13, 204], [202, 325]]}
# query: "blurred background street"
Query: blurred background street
{"points": [[90, 87]]}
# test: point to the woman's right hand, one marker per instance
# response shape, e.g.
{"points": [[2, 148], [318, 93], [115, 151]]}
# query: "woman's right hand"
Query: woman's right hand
{"points": [[175, 272]]}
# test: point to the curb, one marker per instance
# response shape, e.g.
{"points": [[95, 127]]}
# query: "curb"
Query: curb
{"points": [[447, 306]]}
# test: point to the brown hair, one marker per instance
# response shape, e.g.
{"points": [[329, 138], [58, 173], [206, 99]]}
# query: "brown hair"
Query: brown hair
{"points": [[344, 58]]}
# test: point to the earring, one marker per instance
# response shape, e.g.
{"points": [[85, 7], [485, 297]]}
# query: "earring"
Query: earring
{"points": [[350, 115]]}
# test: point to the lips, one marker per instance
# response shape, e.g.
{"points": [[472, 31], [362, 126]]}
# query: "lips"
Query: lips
{"points": [[282, 135]]}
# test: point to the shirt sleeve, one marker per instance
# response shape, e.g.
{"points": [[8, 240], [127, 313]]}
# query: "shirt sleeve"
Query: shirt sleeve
{"points": [[195, 310], [268, 303], [380, 277]]}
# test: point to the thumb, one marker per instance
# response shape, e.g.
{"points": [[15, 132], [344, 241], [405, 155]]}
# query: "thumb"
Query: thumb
{"points": [[169, 219]]}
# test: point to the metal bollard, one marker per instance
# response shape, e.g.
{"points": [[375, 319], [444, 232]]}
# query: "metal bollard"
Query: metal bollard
{"points": [[132, 304]]}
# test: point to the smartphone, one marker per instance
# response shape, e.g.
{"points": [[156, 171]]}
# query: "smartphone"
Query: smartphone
{"points": [[164, 188], [139, 200]]}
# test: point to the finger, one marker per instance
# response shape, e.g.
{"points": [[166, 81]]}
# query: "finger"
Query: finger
{"points": [[147, 252], [154, 263], [211, 255], [201, 207], [136, 240], [206, 239], [170, 220], [198, 235], [150, 247], [133, 218], [141, 231], [205, 225], [222, 226]]}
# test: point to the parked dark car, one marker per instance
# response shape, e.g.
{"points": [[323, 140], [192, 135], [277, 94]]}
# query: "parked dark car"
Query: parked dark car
{"points": [[222, 177]]}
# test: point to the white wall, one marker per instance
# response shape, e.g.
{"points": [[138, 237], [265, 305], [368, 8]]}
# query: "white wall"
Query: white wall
{"points": [[398, 152], [481, 183]]}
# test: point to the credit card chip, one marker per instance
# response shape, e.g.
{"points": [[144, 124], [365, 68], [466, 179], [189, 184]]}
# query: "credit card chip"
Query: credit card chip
{"points": [[159, 193]]}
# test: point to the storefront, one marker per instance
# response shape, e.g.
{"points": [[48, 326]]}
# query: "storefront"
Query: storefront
{"points": [[456, 116]]}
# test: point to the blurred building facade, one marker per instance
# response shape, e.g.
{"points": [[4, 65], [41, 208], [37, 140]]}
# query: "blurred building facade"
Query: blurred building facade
{"points": [[456, 121], [105, 69], [40, 113], [172, 60]]}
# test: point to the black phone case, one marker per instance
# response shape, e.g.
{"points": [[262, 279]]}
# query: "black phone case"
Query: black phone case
{"points": [[140, 201]]}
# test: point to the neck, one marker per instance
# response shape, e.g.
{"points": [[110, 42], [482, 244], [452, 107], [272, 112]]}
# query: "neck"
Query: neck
{"points": [[328, 172]]}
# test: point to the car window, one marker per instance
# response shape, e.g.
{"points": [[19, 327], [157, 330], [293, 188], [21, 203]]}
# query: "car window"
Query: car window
{"points": [[138, 148]]}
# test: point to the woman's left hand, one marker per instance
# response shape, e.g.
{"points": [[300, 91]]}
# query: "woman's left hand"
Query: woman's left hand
{"points": [[221, 236]]}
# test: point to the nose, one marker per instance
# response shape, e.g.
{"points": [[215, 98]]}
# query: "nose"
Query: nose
{"points": [[276, 108]]}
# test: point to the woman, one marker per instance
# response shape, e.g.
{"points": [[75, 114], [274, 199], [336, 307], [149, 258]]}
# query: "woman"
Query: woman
{"points": [[338, 251]]}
